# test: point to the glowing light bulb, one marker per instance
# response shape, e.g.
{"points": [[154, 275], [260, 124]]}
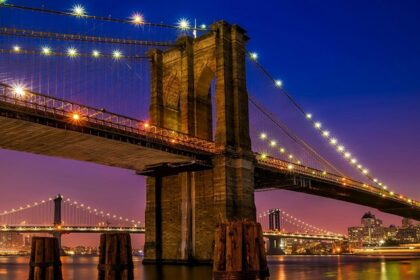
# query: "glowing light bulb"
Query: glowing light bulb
{"points": [[309, 116], [46, 51], [137, 19], [96, 53], [279, 83], [325, 133], [203, 26], [318, 125], [333, 141], [78, 10], [273, 143], [19, 90], [72, 52], [375, 180], [253, 55], [347, 155], [76, 117], [290, 156], [290, 167], [263, 136], [353, 160], [116, 54], [263, 156], [183, 24], [16, 48], [340, 148], [359, 166], [282, 150], [365, 171]]}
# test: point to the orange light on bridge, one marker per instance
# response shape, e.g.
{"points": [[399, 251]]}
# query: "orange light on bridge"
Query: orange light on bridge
{"points": [[75, 116]]}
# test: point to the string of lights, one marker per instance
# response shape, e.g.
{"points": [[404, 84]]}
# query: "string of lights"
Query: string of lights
{"points": [[81, 38], [70, 52], [282, 150], [100, 212], [24, 207], [333, 141], [296, 221], [136, 19], [292, 135]]}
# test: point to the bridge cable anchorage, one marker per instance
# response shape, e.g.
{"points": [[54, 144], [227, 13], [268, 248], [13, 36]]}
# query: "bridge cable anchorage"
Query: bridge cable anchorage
{"points": [[78, 11], [5, 31], [326, 135], [291, 134], [70, 52]]}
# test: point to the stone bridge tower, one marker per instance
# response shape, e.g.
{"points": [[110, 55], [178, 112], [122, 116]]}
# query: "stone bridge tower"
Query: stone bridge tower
{"points": [[182, 210]]}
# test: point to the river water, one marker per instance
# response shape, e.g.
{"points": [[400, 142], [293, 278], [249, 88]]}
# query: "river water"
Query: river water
{"points": [[281, 267]]}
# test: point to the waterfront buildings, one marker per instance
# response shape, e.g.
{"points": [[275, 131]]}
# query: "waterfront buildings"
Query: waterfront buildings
{"points": [[371, 232]]}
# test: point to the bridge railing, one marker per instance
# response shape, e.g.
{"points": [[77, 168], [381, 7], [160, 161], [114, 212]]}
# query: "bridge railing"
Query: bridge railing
{"points": [[80, 114], [325, 176]]}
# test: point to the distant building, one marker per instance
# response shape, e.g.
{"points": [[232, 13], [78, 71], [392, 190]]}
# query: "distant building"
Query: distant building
{"points": [[10, 240], [371, 232], [406, 223]]}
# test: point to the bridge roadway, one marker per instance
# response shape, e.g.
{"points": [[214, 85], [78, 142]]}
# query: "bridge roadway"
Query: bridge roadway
{"points": [[141, 230], [45, 125]]}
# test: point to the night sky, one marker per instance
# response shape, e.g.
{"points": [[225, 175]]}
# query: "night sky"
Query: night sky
{"points": [[353, 64]]}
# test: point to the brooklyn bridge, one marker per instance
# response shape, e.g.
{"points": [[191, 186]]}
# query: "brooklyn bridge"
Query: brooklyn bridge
{"points": [[200, 144]]}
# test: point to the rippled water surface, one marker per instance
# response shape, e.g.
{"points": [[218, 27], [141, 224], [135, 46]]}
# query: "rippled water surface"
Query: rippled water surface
{"points": [[282, 267]]}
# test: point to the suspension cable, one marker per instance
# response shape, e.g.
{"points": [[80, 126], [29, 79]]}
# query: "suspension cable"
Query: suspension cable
{"points": [[76, 37], [99, 18], [291, 134]]}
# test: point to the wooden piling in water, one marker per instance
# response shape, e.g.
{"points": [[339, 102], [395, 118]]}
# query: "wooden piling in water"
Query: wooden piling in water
{"points": [[45, 263], [239, 251], [115, 257]]}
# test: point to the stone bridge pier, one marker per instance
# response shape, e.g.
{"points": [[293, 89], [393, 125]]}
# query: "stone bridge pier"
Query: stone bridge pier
{"points": [[183, 209]]}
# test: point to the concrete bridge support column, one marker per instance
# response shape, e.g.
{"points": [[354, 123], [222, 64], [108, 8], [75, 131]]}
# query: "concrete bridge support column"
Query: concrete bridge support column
{"points": [[182, 210], [274, 246]]}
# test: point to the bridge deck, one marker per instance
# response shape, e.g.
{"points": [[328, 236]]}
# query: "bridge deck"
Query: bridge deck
{"points": [[42, 125], [141, 230], [275, 174]]}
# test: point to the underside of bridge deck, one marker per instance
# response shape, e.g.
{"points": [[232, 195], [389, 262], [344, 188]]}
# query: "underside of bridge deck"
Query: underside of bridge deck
{"points": [[266, 178], [51, 137]]}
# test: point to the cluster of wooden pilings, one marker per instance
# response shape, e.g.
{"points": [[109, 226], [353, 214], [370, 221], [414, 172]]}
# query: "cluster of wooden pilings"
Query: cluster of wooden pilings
{"points": [[115, 258], [239, 251]]}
